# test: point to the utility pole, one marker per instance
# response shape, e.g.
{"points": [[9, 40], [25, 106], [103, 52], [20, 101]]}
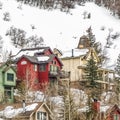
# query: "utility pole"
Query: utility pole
{"points": [[69, 95]]}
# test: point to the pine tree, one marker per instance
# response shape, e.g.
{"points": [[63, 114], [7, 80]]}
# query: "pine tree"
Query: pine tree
{"points": [[117, 80], [91, 73], [117, 68], [96, 45], [92, 87], [90, 36]]}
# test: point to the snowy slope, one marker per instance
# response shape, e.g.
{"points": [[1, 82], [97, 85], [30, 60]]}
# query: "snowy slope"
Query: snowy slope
{"points": [[59, 29]]}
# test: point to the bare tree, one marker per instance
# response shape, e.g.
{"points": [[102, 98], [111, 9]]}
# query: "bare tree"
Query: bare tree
{"points": [[6, 16], [35, 41], [17, 36]]}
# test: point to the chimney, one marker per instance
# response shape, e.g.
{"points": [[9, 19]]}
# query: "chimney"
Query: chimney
{"points": [[96, 105], [23, 104], [72, 52]]}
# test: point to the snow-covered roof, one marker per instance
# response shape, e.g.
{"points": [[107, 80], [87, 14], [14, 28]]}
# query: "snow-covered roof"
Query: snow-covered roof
{"points": [[74, 52], [17, 109], [10, 111], [30, 51], [43, 58]]}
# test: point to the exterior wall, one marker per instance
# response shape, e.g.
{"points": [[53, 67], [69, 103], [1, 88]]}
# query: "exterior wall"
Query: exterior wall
{"points": [[1, 75], [11, 99], [5, 83], [1, 93], [48, 52], [71, 65], [57, 64], [43, 75], [10, 83], [26, 71], [111, 116]]}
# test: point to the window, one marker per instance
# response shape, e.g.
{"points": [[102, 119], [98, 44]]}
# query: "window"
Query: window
{"points": [[53, 68], [10, 77], [116, 117], [42, 67], [8, 92], [23, 62], [35, 67], [54, 62], [41, 116]]}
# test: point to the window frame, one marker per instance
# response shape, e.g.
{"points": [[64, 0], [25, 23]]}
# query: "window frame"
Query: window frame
{"points": [[9, 76], [42, 67], [115, 117], [8, 92], [40, 115], [35, 67]]}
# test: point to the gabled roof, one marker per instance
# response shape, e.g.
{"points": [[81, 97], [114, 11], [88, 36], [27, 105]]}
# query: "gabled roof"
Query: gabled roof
{"points": [[40, 59], [31, 51], [8, 66], [113, 109], [83, 42], [74, 53], [91, 51], [30, 109], [57, 51]]}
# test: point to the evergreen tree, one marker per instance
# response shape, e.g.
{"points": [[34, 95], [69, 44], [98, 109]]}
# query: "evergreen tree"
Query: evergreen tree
{"points": [[98, 48], [90, 36], [96, 45], [117, 80], [92, 87], [91, 73], [117, 68]]}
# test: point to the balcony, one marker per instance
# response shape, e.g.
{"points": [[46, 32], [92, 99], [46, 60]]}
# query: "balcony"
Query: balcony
{"points": [[53, 74], [64, 74]]}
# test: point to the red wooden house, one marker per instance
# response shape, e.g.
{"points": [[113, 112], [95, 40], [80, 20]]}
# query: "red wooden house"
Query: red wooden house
{"points": [[113, 113], [38, 67]]}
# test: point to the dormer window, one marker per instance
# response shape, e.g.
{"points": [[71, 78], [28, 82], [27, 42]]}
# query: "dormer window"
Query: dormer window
{"points": [[54, 62], [41, 115]]}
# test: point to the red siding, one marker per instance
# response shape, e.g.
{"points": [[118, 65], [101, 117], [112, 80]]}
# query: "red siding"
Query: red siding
{"points": [[57, 64], [35, 78], [111, 114], [27, 72], [43, 76], [48, 52]]}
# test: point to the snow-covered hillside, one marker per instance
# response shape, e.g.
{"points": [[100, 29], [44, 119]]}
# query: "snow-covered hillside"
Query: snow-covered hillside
{"points": [[60, 29]]}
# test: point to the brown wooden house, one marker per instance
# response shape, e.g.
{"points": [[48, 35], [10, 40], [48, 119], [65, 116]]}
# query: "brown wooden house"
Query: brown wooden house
{"points": [[113, 113], [29, 111]]}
